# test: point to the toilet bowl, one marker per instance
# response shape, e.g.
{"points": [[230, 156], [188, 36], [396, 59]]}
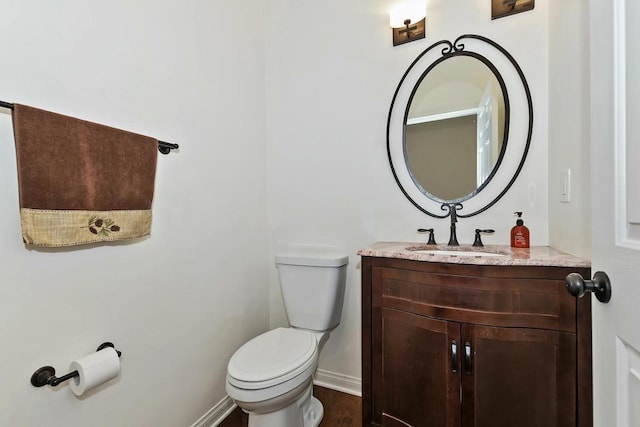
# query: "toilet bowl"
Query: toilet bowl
{"points": [[270, 376]]}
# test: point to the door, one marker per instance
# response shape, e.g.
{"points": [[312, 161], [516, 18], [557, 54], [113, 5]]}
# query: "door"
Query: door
{"points": [[518, 377], [416, 372], [487, 134], [615, 198]]}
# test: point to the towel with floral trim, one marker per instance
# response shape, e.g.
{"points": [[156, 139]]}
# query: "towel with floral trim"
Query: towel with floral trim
{"points": [[81, 182]]}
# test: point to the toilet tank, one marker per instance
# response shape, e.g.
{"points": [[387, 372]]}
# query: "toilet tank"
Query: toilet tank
{"points": [[313, 289]]}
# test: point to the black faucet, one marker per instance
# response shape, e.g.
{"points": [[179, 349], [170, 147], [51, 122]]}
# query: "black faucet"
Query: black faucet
{"points": [[453, 239]]}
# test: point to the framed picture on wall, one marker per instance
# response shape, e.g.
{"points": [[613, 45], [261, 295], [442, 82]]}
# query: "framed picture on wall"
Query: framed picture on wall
{"points": [[502, 8]]}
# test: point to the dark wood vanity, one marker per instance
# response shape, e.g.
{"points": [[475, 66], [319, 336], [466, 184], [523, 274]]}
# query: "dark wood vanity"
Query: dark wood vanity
{"points": [[455, 341]]}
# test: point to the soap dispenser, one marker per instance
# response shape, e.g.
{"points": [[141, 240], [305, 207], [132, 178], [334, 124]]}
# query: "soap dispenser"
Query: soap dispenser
{"points": [[519, 233]]}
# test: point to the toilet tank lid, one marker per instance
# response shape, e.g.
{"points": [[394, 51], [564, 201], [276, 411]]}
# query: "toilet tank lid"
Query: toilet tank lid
{"points": [[314, 260]]}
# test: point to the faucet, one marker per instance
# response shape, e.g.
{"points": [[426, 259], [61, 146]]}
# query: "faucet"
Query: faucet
{"points": [[453, 207], [453, 239]]}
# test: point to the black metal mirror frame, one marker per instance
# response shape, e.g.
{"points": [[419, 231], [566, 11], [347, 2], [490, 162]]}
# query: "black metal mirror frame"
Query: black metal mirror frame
{"points": [[457, 48]]}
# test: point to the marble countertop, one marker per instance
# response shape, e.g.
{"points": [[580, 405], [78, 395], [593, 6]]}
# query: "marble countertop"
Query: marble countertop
{"points": [[534, 256]]}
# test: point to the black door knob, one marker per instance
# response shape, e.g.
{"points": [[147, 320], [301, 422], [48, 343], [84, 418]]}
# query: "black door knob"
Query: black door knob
{"points": [[600, 286]]}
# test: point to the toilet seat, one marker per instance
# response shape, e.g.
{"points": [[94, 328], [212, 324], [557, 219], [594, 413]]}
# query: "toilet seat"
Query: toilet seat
{"points": [[272, 358]]}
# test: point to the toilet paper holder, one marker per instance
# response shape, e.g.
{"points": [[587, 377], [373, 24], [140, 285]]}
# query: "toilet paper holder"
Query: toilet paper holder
{"points": [[47, 374]]}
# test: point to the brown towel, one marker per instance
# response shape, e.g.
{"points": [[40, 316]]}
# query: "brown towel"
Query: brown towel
{"points": [[81, 182]]}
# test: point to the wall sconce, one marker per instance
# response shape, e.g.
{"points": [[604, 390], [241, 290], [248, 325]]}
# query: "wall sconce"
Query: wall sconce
{"points": [[407, 21]]}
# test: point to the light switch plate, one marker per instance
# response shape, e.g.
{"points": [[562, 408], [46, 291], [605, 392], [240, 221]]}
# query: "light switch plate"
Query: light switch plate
{"points": [[565, 186]]}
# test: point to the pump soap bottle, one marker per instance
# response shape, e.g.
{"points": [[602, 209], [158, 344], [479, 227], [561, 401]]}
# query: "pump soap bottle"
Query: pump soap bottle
{"points": [[519, 233]]}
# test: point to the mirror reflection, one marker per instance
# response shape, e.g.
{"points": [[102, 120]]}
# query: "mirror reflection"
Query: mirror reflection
{"points": [[455, 128]]}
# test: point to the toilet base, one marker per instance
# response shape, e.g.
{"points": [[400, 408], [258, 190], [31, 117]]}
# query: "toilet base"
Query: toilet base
{"points": [[306, 411]]}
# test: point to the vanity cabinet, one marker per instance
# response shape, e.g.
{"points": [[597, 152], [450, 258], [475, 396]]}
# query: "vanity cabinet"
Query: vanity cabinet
{"points": [[449, 345]]}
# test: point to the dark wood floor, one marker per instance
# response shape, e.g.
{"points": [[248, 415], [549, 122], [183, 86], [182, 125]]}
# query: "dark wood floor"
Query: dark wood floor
{"points": [[340, 409]]}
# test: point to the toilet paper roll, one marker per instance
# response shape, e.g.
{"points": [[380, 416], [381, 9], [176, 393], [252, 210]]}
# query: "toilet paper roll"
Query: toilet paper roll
{"points": [[94, 369]]}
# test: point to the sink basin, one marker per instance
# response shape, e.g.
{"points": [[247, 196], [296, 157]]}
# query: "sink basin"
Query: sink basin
{"points": [[454, 252]]}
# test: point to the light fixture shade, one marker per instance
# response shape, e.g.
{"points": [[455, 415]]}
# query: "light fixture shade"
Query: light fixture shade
{"points": [[412, 10]]}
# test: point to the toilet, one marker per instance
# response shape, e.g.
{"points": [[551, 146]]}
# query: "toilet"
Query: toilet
{"points": [[270, 377]]}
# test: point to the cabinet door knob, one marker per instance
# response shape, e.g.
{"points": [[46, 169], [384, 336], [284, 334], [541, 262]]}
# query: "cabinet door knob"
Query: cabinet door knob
{"points": [[468, 365], [454, 356], [600, 286]]}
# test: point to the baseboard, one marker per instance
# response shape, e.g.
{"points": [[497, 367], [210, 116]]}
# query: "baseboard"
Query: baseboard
{"points": [[217, 414], [338, 382]]}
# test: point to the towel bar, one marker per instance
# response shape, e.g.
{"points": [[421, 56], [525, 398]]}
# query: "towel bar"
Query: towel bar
{"points": [[163, 147]]}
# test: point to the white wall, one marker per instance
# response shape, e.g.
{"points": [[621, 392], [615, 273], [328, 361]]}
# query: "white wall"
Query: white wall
{"points": [[181, 302], [331, 74], [569, 125]]}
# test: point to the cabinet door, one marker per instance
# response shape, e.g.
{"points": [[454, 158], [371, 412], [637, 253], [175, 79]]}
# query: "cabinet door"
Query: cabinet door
{"points": [[416, 378], [518, 377]]}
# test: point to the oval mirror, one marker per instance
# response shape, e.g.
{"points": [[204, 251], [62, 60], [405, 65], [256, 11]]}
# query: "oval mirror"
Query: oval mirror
{"points": [[455, 128], [459, 126]]}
